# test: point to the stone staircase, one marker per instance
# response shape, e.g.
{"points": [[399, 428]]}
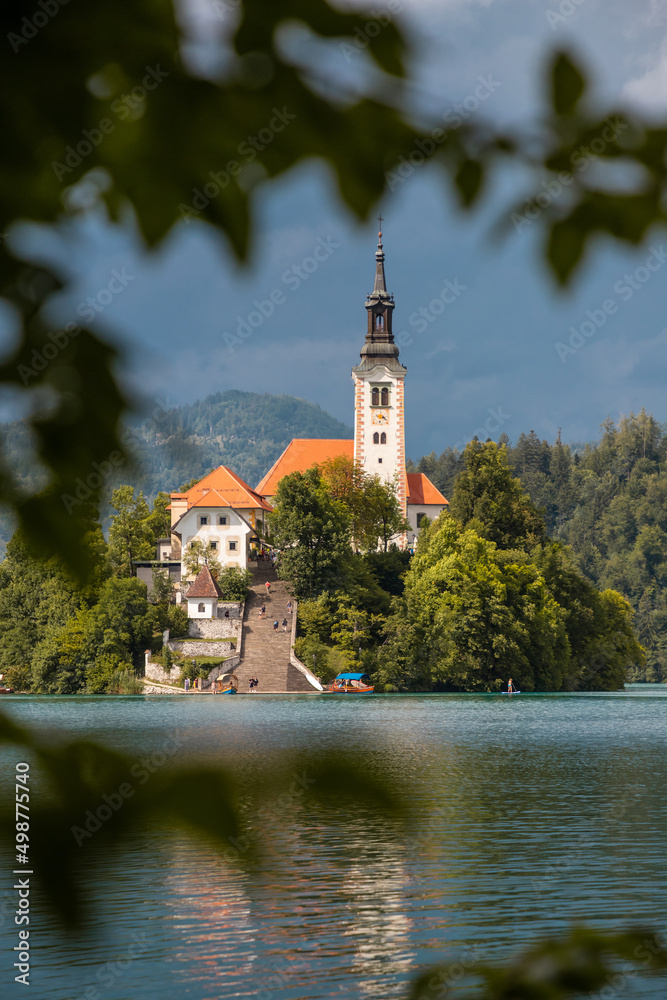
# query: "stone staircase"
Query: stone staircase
{"points": [[266, 654]]}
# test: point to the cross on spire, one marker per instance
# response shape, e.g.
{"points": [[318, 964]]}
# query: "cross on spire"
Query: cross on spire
{"points": [[380, 221]]}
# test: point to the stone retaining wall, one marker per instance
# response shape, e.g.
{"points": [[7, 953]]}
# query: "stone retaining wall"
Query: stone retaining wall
{"points": [[156, 672], [220, 627], [198, 648]]}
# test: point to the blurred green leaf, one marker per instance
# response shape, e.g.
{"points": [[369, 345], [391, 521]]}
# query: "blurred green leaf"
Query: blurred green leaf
{"points": [[568, 84], [469, 180], [577, 962], [565, 249]]}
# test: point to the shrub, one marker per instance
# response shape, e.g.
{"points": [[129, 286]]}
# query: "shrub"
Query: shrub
{"points": [[124, 681], [18, 678], [234, 583], [326, 663], [167, 659], [177, 620]]}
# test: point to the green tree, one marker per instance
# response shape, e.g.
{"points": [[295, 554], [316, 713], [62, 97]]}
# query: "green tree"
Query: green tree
{"points": [[352, 627], [234, 583], [490, 500], [158, 522], [130, 536], [39, 596], [312, 529], [372, 504], [163, 588], [472, 616], [197, 555], [96, 641]]}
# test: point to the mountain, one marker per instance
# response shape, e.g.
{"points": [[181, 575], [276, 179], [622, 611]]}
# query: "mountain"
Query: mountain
{"points": [[247, 431]]}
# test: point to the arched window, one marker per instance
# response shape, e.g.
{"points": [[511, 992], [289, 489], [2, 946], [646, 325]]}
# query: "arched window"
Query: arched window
{"points": [[375, 397], [385, 397], [376, 438], [201, 608], [379, 322], [383, 438]]}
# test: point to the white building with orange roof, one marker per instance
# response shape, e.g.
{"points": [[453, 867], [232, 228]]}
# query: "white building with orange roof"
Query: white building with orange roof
{"points": [[223, 513], [379, 419]]}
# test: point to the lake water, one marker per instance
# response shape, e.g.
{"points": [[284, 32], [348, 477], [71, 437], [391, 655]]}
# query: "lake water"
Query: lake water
{"points": [[532, 812]]}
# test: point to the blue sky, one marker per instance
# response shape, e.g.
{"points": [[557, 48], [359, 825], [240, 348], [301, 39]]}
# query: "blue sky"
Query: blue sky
{"points": [[488, 355]]}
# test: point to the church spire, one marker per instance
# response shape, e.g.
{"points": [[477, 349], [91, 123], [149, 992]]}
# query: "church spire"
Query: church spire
{"points": [[379, 343], [380, 287]]}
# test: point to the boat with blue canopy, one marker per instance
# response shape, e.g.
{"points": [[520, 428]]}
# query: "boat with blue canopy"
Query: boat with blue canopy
{"points": [[351, 683]]}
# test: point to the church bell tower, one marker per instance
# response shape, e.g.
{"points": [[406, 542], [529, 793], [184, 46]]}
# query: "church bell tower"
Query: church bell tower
{"points": [[379, 427]]}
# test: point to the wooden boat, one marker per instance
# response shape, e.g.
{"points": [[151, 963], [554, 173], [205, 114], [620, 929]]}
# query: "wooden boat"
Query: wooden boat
{"points": [[4, 690], [349, 683], [230, 684]]}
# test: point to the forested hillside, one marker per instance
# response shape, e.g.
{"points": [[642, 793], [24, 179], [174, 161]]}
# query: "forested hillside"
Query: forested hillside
{"points": [[608, 501], [245, 430]]}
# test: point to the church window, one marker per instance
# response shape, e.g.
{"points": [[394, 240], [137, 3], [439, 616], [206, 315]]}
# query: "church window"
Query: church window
{"points": [[375, 397], [379, 461], [379, 322], [383, 438], [232, 546], [385, 397], [376, 438], [201, 609], [203, 520], [222, 519]]}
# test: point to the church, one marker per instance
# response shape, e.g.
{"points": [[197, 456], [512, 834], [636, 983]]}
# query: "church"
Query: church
{"points": [[225, 514], [379, 419]]}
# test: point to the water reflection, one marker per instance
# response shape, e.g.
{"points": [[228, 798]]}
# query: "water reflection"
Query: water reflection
{"points": [[378, 924], [528, 815]]}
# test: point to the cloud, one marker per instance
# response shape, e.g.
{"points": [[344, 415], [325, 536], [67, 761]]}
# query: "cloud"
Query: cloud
{"points": [[648, 90]]}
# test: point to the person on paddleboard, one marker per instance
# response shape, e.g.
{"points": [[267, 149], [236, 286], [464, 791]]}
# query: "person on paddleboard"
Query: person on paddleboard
{"points": [[510, 686]]}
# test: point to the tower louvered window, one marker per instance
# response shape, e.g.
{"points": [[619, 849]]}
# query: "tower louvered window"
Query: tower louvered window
{"points": [[375, 397], [385, 397]]}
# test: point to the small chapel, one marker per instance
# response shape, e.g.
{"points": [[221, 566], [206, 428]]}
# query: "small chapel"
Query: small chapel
{"points": [[379, 419]]}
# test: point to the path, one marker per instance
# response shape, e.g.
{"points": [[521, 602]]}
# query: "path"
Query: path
{"points": [[266, 653]]}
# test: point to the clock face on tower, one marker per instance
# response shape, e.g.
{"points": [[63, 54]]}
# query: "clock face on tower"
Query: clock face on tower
{"points": [[380, 417]]}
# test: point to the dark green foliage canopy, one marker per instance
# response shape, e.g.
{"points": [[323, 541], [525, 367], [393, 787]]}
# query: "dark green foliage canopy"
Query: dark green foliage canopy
{"points": [[607, 501], [488, 597], [489, 498], [313, 531]]}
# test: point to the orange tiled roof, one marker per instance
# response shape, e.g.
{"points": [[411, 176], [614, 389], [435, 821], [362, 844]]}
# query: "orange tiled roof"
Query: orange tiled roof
{"points": [[204, 585], [422, 491], [222, 488], [301, 454]]}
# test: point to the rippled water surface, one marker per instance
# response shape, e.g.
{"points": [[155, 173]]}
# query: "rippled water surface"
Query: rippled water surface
{"points": [[531, 813]]}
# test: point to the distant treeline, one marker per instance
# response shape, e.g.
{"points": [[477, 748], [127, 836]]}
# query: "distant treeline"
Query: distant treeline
{"points": [[608, 502]]}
